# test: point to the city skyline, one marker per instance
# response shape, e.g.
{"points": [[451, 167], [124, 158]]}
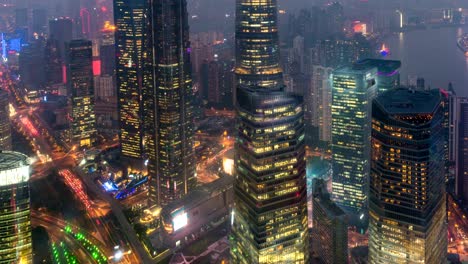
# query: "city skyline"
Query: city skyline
{"points": [[247, 131]]}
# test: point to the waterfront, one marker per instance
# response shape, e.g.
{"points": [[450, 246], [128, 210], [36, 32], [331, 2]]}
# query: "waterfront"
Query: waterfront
{"points": [[433, 55]]}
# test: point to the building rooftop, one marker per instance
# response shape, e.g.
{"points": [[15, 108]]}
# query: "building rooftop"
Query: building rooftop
{"points": [[199, 194], [407, 101], [12, 160], [384, 67], [322, 197]]}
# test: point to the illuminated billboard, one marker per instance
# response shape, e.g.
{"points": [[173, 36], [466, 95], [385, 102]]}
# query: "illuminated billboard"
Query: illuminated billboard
{"points": [[179, 219]]}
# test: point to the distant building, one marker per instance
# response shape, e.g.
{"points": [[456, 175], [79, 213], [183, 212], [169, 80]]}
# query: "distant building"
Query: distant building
{"points": [[354, 87], [217, 80], [5, 126], [21, 17], [60, 31], [319, 100], [205, 207], [81, 88], [31, 65], [15, 215], [407, 203], [105, 87], [330, 227], [461, 148], [39, 21]]}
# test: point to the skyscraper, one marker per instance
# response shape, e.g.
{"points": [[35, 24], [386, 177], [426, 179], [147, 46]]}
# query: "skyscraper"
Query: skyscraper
{"points": [[330, 227], [269, 222], [81, 87], [5, 126], [130, 37], [257, 45], [15, 219], [318, 100], [60, 31], [461, 148], [170, 115], [407, 191], [354, 87]]}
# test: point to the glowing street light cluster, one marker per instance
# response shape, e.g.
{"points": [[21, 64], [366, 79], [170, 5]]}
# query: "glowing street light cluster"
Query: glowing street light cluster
{"points": [[96, 253], [77, 186], [61, 253]]}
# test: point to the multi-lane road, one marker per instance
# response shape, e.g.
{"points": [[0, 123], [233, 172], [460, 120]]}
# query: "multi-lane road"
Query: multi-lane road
{"points": [[49, 156]]}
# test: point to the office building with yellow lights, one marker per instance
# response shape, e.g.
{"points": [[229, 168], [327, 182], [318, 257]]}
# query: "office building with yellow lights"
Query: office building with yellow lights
{"points": [[81, 87], [407, 199], [269, 218], [353, 88], [130, 40], [169, 109], [15, 218]]}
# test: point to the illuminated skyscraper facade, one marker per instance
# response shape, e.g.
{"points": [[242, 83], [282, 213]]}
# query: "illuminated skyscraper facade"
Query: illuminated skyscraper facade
{"points": [[269, 218], [257, 45], [5, 126], [81, 87], [130, 40], [171, 112], [407, 199], [15, 217], [353, 88]]}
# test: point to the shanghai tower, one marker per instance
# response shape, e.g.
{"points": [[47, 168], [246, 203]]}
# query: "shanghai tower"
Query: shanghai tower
{"points": [[269, 218], [169, 111]]}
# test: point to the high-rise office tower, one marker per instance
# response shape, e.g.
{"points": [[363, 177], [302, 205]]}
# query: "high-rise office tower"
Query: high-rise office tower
{"points": [[21, 17], [39, 20], [60, 31], [460, 147], [170, 124], [407, 199], [318, 101], [5, 126], [81, 87], [330, 227], [130, 35], [15, 218], [257, 45], [269, 223], [353, 88]]}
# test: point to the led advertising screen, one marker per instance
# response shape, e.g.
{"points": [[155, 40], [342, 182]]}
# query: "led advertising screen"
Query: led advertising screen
{"points": [[179, 219]]}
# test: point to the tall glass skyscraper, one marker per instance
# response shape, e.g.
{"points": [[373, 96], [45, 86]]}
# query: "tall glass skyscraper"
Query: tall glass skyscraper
{"points": [[407, 199], [81, 87], [5, 126], [269, 218], [15, 218], [257, 45], [353, 88], [170, 115], [130, 41]]}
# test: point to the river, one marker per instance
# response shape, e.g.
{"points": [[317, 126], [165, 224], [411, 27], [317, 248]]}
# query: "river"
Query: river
{"points": [[433, 55]]}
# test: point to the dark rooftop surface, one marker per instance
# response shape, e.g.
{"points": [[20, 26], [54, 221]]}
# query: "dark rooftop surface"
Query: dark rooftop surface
{"points": [[12, 160], [407, 101], [383, 66], [199, 194]]}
